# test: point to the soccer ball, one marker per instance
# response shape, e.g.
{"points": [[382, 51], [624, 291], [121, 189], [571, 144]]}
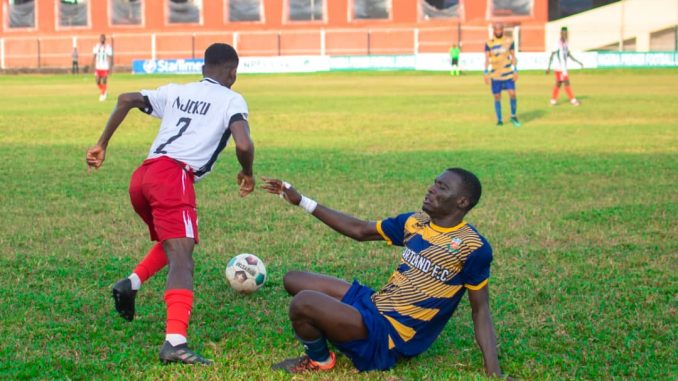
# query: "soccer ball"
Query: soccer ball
{"points": [[246, 273]]}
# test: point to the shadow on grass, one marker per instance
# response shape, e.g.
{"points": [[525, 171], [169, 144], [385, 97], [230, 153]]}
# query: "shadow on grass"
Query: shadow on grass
{"points": [[531, 115]]}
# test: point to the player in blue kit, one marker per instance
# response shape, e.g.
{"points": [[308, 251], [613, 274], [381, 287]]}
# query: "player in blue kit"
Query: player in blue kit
{"points": [[443, 256], [501, 70]]}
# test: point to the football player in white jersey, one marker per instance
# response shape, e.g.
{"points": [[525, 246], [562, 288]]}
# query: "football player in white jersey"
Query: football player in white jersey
{"points": [[562, 76], [198, 120], [102, 62]]}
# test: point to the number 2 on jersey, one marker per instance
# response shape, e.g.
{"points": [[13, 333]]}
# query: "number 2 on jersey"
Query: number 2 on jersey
{"points": [[185, 122]]}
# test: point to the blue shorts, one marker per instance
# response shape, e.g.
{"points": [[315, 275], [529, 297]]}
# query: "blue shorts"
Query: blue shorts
{"points": [[499, 85], [371, 353]]}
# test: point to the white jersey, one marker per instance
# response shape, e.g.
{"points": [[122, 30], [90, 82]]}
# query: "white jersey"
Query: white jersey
{"points": [[102, 54], [195, 121], [561, 57]]}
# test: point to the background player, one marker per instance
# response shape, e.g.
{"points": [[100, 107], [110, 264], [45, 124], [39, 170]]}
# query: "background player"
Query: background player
{"points": [[75, 61], [562, 76], [197, 121], [454, 59], [102, 61], [442, 257], [500, 60]]}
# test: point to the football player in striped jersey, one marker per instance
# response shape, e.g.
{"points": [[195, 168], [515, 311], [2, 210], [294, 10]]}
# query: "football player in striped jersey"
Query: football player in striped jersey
{"points": [[443, 257]]}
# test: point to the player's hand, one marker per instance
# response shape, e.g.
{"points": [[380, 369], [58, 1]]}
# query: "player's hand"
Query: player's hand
{"points": [[246, 184], [548, 71], [515, 77], [95, 157], [282, 189], [486, 78]]}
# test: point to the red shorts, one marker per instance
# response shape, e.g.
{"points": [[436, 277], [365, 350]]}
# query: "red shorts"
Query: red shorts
{"points": [[101, 73], [560, 77], [162, 194]]}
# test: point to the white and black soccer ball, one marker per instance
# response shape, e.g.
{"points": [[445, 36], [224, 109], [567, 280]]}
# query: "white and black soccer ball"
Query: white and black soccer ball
{"points": [[246, 273]]}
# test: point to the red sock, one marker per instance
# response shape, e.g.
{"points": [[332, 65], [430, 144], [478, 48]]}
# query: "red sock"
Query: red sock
{"points": [[554, 93], [155, 260], [104, 87], [101, 87], [568, 90], [179, 305]]}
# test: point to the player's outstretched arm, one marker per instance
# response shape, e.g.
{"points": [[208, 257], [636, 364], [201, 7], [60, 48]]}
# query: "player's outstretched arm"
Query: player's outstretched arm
{"points": [[486, 77], [484, 330], [514, 62], [548, 68], [244, 151], [352, 227], [97, 154], [574, 59]]}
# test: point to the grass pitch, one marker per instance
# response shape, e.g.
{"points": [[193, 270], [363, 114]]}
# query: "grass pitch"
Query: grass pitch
{"points": [[580, 205]]}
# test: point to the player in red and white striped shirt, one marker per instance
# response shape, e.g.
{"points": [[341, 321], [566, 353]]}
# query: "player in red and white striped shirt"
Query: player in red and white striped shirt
{"points": [[198, 120], [562, 76], [102, 61]]}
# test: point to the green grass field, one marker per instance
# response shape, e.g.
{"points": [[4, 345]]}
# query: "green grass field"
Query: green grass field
{"points": [[580, 205]]}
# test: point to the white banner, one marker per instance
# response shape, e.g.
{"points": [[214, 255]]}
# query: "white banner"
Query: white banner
{"points": [[476, 61], [423, 62], [284, 64], [405, 62]]}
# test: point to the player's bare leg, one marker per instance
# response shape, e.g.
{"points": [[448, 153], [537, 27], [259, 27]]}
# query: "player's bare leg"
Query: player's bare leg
{"points": [[314, 314], [297, 281], [315, 318], [179, 301], [180, 260]]}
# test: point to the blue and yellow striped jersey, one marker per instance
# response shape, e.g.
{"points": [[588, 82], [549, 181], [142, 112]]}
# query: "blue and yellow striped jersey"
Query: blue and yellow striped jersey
{"points": [[436, 266], [501, 50]]}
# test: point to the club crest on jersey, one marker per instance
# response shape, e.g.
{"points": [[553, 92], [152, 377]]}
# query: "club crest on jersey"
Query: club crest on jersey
{"points": [[454, 245], [191, 106]]}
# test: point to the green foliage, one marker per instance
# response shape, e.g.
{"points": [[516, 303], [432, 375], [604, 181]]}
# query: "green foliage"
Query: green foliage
{"points": [[579, 204]]}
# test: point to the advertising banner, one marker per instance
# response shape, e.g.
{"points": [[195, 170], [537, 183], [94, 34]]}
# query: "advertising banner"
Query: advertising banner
{"points": [[633, 59], [403, 62], [424, 62], [179, 66], [284, 64]]}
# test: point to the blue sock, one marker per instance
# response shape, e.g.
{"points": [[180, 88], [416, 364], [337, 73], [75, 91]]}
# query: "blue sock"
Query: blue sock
{"points": [[497, 110], [316, 349], [514, 106]]}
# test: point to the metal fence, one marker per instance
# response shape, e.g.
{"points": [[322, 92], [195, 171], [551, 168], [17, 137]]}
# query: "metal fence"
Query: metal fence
{"points": [[57, 51]]}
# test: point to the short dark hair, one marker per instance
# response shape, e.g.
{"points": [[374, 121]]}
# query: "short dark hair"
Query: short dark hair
{"points": [[471, 185], [220, 54]]}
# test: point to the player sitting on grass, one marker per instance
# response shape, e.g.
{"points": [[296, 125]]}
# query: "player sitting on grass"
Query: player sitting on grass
{"points": [[442, 257], [197, 121]]}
